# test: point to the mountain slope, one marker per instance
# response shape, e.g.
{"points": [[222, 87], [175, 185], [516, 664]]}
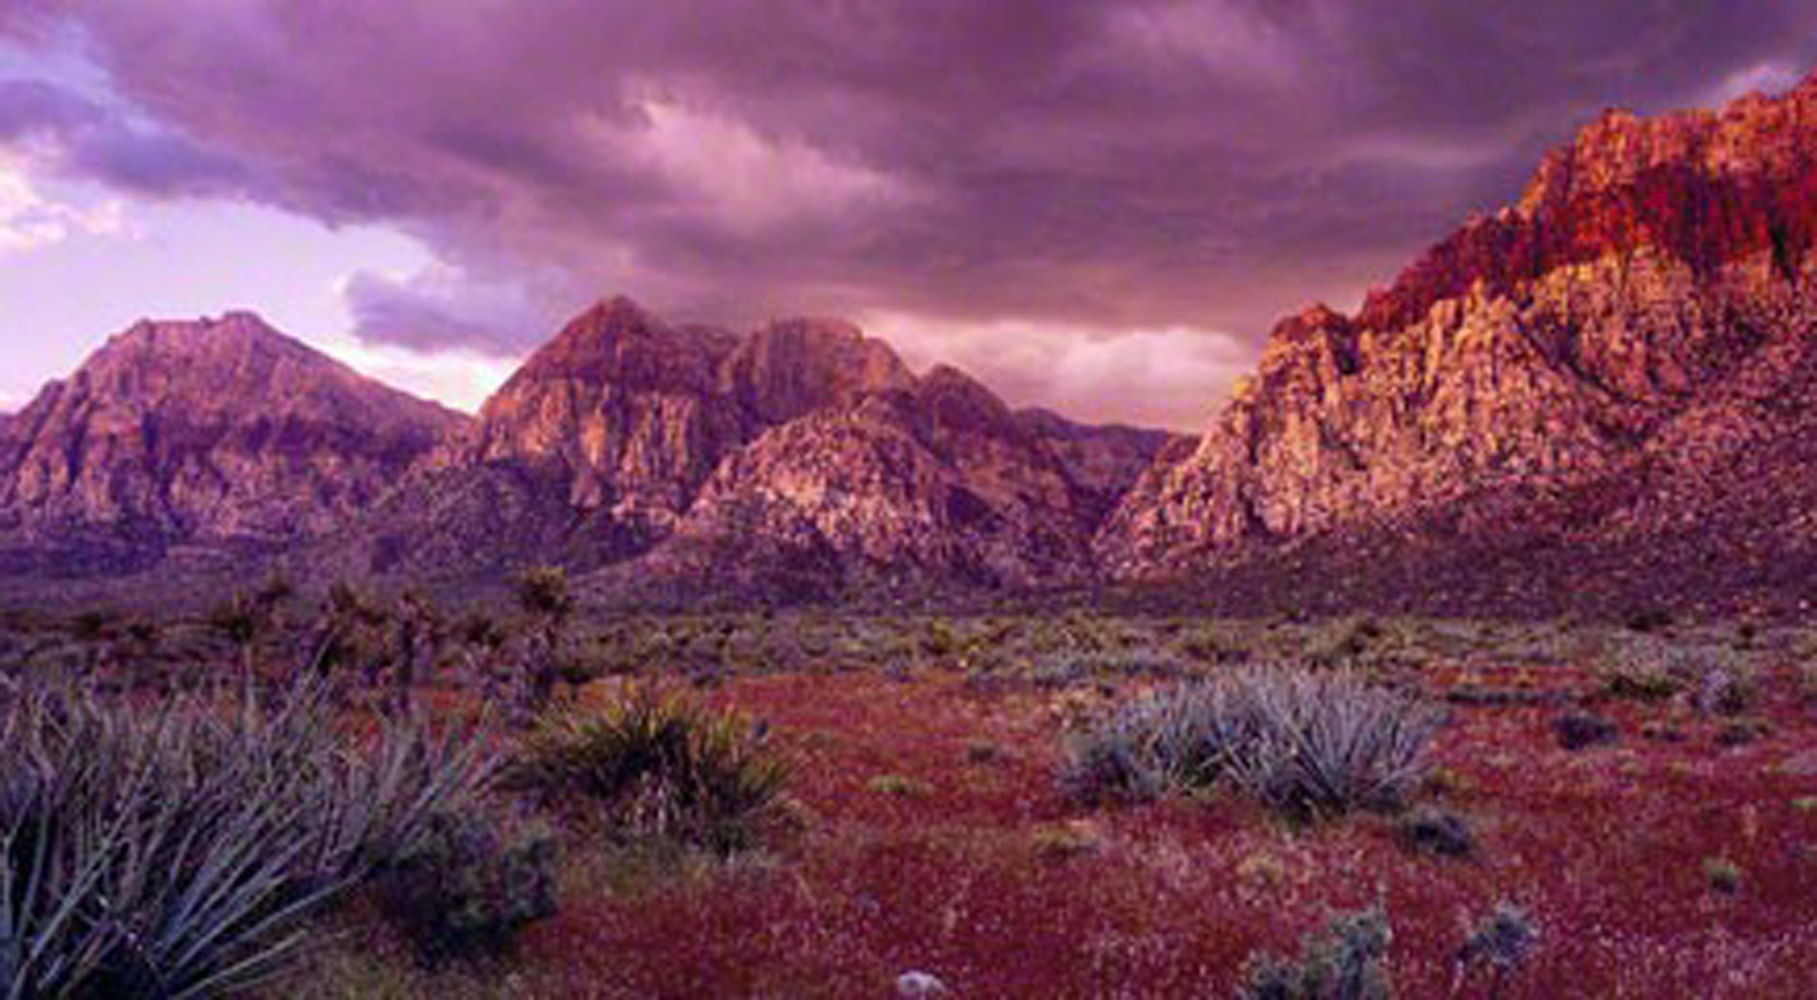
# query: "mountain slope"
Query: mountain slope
{"points": [[1576, 375], [214, 432], [803, 447], [935, 481]]}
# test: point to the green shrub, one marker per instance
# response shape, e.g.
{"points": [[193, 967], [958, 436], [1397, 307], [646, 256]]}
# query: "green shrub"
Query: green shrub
{"points": [[1308, 743], [471, 885], [658, 765], [176, 850], [1345, 961]]}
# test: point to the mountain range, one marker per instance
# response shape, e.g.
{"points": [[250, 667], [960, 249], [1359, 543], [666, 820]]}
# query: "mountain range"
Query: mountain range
{"points": [[1601, 394]]}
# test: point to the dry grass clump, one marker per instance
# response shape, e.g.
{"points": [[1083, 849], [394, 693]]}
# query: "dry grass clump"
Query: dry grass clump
{"points": [[1310, 743]]}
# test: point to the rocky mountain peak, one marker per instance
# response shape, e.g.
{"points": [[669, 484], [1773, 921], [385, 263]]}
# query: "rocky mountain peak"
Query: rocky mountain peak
{"points": [[237, 361], [1656, 271], [666, 450], [790, 368], [1703, 189], [209, 431], [618, 342]]}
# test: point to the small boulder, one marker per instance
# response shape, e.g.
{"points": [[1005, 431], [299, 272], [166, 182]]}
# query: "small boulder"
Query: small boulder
{"points": [[915, 985]]}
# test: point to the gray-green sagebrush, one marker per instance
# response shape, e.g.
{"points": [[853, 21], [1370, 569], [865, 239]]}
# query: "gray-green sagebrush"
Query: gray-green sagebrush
{"points": [[180, 850]]}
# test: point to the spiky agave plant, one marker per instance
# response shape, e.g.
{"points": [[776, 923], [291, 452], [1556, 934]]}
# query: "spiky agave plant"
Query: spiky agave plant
{"points": [[660, 765], [179, 853], [1309, 743]]}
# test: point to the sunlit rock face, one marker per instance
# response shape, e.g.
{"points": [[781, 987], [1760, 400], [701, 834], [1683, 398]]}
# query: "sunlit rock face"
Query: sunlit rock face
{"points": [[209, 432], [1595, 363], [622, 406], [721, 459], [934, 479]]}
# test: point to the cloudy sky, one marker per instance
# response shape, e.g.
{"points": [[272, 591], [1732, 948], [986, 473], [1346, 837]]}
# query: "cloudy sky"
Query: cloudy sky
{"points": [[1095, 206]]}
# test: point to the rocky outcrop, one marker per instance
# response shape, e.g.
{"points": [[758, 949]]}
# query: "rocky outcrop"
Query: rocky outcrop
{"points": [[792, 368], [804, 450], [1106, 460], [623, 408], [1622, 328], [933, 481], [214, 433]]}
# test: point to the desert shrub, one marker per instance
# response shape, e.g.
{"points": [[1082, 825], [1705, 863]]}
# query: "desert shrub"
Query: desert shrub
{"points": [[1582, 730], [1063, 841], [1055, 671], [1641, 669], [986, 752], [1724, 690], [175, 851], [660, 766], [1344, 641], [1347, 960], [1651, 668], [1437, 831], [1062, 669], [1722, 875], [1308, 743], [1740, 732], [1210, 645], [899, 786], [1500, 943], [939, 640], [1648, 619], [470, 885]]}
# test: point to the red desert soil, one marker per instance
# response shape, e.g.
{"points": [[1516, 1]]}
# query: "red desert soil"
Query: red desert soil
{"points": [[991, 881]]}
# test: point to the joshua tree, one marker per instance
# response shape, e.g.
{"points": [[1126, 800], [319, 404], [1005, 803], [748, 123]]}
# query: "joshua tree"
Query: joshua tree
{"points": [[543, 595], [143, 637], [95, 631], [418, 636], [482, 638], [344, 633], [243, 621]]}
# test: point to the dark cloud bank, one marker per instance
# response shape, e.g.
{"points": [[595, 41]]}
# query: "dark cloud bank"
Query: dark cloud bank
{"points": [[1100, 166]]}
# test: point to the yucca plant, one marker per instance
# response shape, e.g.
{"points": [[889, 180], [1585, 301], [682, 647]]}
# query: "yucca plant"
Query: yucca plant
{"points": [[659, 765], [178, 852], [1307, 742]]}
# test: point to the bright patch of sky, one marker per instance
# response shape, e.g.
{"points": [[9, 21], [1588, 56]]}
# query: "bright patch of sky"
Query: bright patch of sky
{"points": [[78, 264], [179, 260]]}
